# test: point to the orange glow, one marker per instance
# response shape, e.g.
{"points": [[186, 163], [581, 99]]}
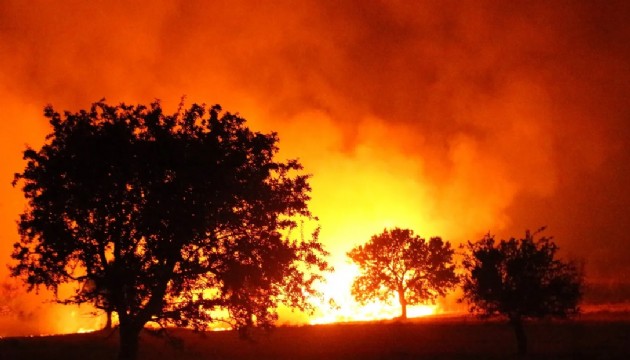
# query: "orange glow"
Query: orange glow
{"points": [[404, 112], [70, 320], [345, 309], [357, 194]]}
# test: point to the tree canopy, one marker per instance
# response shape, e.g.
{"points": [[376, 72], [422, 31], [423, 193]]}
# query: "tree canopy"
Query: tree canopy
{"points": [[520, 279], [399, 263], [166, 217]]}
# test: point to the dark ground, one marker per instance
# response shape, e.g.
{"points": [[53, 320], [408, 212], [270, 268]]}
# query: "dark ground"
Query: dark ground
{"points": [[593, 337]]}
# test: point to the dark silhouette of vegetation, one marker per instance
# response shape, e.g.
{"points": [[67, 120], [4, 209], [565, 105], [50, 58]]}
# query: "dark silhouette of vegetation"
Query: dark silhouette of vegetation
{"points": [[520, 279], [102, 302], [397, 262], [108, 322], [166, 217]]}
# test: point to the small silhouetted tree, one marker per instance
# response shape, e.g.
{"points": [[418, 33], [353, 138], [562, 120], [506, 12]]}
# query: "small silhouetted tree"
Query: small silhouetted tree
{"points": [[520, 279], [399, 263], [167, 217]]}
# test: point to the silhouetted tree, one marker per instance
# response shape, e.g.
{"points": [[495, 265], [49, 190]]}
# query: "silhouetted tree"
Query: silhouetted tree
{"points": [[397, 262], [108, 322], [167, 216], [520, 279]]}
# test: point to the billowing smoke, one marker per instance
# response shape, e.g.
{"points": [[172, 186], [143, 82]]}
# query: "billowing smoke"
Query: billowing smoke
{"points": [[453, 118]]}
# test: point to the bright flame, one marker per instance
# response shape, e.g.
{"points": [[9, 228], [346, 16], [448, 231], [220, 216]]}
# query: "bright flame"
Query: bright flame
{"points": [[81, 322], [373, 184], [372, 311], [341, 306], [85, 331]]}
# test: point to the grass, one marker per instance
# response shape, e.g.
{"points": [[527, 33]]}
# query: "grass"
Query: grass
{"points": [[445, 338]]}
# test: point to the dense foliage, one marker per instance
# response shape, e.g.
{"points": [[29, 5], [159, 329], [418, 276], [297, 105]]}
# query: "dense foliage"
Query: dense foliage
{"points": [[399, 263], [520, 279], [165, 218]]}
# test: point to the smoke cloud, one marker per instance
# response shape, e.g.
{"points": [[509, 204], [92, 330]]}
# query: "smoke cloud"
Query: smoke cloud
{"points": [[454, 118]]}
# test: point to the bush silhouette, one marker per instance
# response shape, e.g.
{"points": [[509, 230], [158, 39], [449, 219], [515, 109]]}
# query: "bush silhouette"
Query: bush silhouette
{"points": [[520, 279]]}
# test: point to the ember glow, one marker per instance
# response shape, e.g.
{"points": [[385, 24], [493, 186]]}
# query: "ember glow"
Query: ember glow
{"points": [[452, 118]]}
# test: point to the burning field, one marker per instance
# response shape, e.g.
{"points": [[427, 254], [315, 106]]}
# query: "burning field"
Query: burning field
{"points": [[452, 118]]}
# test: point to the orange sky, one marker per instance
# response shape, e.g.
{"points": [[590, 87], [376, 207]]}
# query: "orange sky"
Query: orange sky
{"points": [[453, 118]]}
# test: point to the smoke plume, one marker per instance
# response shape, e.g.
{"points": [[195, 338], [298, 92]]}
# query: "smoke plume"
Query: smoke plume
{"points": [[454, 118]]}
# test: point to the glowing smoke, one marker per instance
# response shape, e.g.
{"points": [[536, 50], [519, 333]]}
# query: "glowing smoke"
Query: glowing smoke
{"points": [[454, 118]]}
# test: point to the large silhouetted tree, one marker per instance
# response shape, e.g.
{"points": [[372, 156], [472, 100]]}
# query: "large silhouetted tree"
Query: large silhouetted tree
{"points": [[399, 263], [520, 279], [166, 217]]}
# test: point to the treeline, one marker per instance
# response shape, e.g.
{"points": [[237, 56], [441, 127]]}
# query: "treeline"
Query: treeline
{"points": [[165, 218], [519, 279]]}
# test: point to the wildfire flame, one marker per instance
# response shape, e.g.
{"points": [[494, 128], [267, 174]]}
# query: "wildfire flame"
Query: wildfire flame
{"points": [[341, 306]]}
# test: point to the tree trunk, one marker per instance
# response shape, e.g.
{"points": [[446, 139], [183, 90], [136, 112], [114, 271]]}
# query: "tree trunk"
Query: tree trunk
{"points": [[519, 331], [108, 324], [129, 339], [403, 304]]}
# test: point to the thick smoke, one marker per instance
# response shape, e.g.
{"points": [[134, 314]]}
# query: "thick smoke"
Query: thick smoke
{"points": [[453, 118]]}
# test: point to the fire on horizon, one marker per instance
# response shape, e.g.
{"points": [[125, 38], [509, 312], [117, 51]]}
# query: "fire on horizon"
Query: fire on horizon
{"points": [[451, 118]]}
